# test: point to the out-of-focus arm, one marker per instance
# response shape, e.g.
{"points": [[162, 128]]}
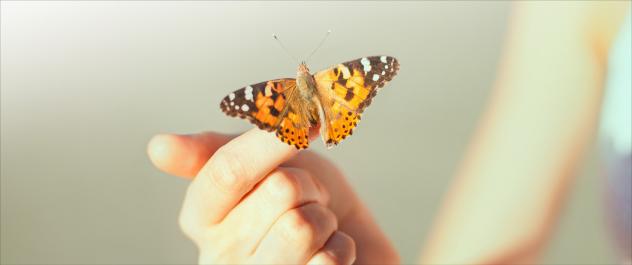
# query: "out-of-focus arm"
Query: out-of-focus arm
{"points": [[507, 193]]}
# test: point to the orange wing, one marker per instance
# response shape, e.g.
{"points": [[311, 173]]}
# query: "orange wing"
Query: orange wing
{"points": [[265, 105], [291, 133], [262, 104], [346, 89]]}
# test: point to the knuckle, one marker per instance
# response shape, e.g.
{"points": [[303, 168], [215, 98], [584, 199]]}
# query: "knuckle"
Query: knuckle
{"points": [[284, 186], [308, 223], [299, 227], [227, 171]]}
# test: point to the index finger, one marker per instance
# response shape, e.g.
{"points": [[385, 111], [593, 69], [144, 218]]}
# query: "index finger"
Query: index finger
{"points": [[233, 170], [184, 155]]}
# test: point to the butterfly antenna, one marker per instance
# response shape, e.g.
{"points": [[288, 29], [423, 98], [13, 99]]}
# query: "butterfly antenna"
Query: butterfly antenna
{"points": [[319, 45], [283, 47]]}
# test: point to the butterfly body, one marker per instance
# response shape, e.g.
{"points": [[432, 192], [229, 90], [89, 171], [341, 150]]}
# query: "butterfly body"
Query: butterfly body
{"points": [[304, 99], [334, 98]]}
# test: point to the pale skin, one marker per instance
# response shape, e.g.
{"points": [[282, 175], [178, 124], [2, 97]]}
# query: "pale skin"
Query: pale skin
{"points": [[542, 115], [253, 199], [256, 200]]}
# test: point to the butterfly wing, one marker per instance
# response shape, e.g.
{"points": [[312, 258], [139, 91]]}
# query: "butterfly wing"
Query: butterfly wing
{"points": [[262, 104], [266, 105], [291, 132], [346, 89]]}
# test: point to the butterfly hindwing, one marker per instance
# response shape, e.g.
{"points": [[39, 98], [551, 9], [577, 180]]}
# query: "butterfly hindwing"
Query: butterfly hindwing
{"points": [[347, 89], [291, 133], [340, 127], [262, 104]]}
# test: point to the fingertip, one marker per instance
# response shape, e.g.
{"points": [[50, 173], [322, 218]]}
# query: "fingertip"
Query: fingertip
{"points": [[339, 249], [161, 149], [184, 155]]}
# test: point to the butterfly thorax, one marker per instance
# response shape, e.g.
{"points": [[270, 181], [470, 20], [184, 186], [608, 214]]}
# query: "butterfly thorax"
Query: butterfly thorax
{"points": [[305, 82], [303, 99]]}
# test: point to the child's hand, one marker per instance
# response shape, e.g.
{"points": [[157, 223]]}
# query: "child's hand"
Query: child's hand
{"points": [[258, 200]]}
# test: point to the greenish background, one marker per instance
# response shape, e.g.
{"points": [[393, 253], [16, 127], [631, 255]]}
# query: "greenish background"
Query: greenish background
{"points": [[84, 85]]}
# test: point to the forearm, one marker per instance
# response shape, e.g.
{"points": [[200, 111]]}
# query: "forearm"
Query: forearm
{"points": [[505, 197]]}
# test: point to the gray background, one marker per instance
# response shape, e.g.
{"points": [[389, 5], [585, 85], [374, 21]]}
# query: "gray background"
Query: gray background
{"points": [[85, 85]]}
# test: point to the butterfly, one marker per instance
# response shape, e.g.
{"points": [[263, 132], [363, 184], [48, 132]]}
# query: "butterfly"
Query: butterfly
{"points": [[333, 98]]}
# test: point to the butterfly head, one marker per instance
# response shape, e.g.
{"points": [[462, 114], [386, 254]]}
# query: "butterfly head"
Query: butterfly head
{"points": [[302, 68]]}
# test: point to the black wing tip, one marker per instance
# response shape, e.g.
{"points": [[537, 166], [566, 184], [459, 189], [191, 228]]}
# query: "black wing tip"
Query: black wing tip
{"points": [[387, 56], [225, 107]]}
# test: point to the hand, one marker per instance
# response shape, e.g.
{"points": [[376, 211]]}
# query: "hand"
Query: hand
{"points": [[257, 200]]}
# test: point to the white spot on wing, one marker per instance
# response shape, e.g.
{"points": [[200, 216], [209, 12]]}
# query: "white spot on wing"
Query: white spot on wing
{"points": [[245, 107], [376, 77], [383, 59], [268, 91], [236, 107], [231, 96], [232, 103], [366, 64], [386, 67], [248, 92], [345, 71], [383, 73]]}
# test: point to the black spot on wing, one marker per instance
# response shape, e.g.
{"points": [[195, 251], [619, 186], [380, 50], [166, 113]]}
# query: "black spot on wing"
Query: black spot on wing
{"points": [[349, 95], [274, 112]]}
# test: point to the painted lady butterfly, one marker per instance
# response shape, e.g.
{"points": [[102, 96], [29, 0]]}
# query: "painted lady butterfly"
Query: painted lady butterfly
{"points": [[333, 97]]}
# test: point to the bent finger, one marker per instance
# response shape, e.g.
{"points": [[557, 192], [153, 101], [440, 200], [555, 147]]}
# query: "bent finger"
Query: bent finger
{"points": [[340, 249], [300, 232], [283, 189], [231, 172]]}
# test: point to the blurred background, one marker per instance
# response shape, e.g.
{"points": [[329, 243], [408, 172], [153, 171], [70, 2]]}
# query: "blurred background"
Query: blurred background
{"points": [[84, 85]]}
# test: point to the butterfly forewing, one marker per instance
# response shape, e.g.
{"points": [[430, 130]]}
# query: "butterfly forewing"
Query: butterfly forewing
{"points": [[262, 104], [347, 89]]}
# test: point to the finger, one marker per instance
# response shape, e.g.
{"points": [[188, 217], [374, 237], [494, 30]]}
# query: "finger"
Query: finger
{"points": [[299, 232], [184, 155], [280, 191], [231, 172], [340, 249]]}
